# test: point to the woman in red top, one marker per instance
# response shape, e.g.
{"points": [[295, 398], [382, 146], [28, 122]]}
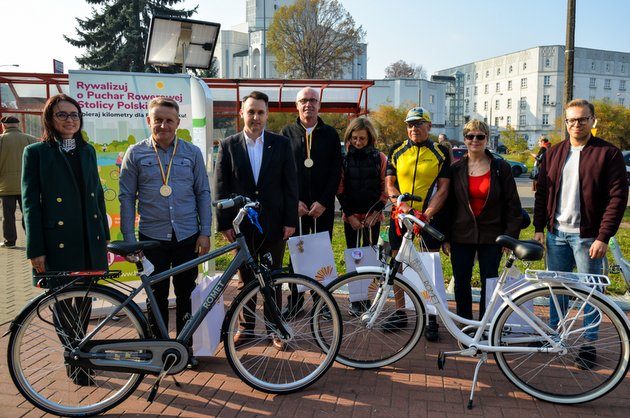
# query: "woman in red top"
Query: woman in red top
{"points": [[483, 204]]}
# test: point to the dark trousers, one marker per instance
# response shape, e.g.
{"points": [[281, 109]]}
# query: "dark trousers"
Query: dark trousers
{"points": [[369, 236], [463, 259], [9, 204], [247, 317], [170, 254]]}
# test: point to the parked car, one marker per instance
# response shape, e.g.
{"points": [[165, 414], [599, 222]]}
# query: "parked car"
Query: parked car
{"points": [[626, 159], [517, 168]]}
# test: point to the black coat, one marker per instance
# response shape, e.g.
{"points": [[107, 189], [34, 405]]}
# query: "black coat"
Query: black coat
{"points": [[500, 215], [276, 189], [61, 221]]}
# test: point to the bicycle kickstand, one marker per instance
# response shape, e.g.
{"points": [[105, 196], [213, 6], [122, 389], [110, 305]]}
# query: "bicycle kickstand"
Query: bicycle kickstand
{"points": [[482, 360], [169, 362]]}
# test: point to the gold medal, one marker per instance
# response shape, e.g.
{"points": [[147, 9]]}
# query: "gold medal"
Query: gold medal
{"points": [[308, 163], [166, 190]]}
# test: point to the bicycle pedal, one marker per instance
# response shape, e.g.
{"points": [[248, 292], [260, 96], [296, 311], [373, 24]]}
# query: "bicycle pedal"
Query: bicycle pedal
{"points": [[441, 360]]}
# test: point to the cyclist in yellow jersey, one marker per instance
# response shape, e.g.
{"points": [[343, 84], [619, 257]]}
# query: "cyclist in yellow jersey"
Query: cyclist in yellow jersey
{"points": [[422, 168]]}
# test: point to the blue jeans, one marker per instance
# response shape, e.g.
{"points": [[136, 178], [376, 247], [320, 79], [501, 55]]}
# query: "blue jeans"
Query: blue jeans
{"points": [[564, 252]]}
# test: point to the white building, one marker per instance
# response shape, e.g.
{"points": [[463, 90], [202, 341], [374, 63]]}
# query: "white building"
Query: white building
{"points": [[524, 89], [241, 51]]}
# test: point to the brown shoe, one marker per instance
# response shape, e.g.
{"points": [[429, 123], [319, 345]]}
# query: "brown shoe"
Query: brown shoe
{"points": [[277, 342], [243, 337]]}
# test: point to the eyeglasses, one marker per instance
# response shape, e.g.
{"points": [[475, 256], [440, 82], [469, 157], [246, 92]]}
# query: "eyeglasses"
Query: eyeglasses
{"points": [[65, 116], [305, 101], [415, 124], [478, 137], [579, 121]]}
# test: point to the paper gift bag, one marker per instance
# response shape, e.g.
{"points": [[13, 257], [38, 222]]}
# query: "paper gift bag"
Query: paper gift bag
{"points": [[208, 335], [514, 279], [312, 256], [360, 257], [433, 267]]}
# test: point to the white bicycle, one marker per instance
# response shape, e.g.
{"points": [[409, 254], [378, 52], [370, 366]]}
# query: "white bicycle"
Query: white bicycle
{"points": [[578, 357]]}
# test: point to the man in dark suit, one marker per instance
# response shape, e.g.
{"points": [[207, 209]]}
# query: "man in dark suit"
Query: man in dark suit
{"points": [[260, 165]]}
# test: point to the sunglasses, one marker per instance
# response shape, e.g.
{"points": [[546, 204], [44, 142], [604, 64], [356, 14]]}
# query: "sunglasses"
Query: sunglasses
{"points": [[479, 137], [415, 124]]}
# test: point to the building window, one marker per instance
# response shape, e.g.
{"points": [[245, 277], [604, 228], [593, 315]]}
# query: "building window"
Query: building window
{"points": [[607, 84], [508, 121], [547, 63], [485, 105], [486, 89], [476, 76], [593, 65], [522, 120], [511, 69], [546, 99], [622, 85], [591, 82], [475, 107], [621, 101], [623, 68], [545, 119], [523, 83], [496, 121], [524, 66], [466, 106], [476, 90], [485, 119], [468, 77], [497, 88], [547, 80], [523, 102], [509, 84], [467, 91], [431, 98], [607, 67], [498, 71], [487, 73], [509, 103], [496, 104]]}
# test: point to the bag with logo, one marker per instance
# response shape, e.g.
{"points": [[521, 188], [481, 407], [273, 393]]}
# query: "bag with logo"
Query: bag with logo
{"points": [[312, 256], [360, 257], [514, 279], [207, 337], [433, 267]]}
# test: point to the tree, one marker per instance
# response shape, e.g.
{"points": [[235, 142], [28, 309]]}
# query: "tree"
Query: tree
{"points": [[390, 124], [613, 123], [115, 35], [402, 69], [514, 142], [313, 39]]}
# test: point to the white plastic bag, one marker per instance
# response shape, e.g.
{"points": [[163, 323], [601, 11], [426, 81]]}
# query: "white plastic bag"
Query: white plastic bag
{"points": [[207, 337], [312, 256], [433, 266], [514, 279], [360, 257]]}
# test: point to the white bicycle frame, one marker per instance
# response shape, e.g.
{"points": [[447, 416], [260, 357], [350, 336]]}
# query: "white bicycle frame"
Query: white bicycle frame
{"points": [[409, 255]]}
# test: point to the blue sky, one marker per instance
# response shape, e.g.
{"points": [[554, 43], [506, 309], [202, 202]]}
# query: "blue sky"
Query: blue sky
{"points": [[437, 34]]}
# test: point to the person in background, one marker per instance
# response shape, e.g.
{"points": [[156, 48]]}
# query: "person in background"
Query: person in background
{"points": [[443, 140], [581, 197], [361, 191], [64, 209], [482, 204], [166, 177], [12, 144], [543, 146]]}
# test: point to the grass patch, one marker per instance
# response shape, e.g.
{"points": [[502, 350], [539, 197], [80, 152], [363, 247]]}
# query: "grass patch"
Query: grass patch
{"points": [[618, 285]]}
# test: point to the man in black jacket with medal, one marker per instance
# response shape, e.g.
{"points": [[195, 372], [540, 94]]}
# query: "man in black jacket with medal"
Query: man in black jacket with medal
{"points": [[317, 151]]}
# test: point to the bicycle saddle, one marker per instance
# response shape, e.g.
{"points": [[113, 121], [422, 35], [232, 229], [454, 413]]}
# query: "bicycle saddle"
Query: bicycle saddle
{"points": [[528, 250], [123, 248]]}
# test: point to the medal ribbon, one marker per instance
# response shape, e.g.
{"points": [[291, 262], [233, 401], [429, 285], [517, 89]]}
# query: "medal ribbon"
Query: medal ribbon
{"points": [[309, 141], [170, 163]]}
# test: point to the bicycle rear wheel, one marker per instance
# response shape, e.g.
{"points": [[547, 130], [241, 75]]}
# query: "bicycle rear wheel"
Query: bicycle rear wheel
{"points": [[51, 326], [258, 362], [396, 331], [595, 358]]}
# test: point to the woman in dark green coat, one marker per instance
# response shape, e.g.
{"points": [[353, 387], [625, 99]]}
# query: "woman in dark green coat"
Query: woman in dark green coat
{"points": [[64, 208], [64, 213]]}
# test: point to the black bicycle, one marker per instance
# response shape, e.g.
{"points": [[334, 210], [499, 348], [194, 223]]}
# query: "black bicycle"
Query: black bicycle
{"points": [[83, 347]]}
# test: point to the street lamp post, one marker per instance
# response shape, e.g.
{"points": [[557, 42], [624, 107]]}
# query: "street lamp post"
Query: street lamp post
{"points": [[493, 144]]}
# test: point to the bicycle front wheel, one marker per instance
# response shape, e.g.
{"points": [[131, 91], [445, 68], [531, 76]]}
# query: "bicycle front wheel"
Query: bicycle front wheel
{"points": [[395, 332], [50, 327], [302, 361], [593, 335]]}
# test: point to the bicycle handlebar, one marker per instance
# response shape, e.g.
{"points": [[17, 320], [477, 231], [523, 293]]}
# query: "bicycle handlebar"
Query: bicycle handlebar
{"points": [[424, 226], [237, 201], [405, 197]]}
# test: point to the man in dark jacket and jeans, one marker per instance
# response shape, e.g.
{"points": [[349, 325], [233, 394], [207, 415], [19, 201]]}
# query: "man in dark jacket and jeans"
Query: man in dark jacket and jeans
{"points": [[581, 196]]}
